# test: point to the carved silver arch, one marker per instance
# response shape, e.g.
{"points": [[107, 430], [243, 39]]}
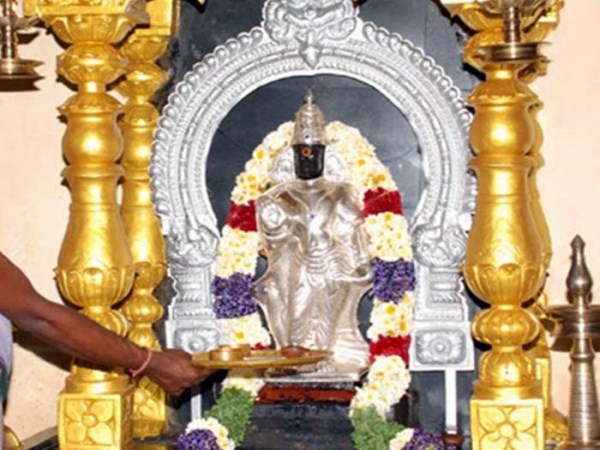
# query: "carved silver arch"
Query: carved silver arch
{"points": [[303, 38]]}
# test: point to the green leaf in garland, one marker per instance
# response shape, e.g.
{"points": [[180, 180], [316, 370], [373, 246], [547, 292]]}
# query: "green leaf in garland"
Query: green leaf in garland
{"points": [[371, 431], [233, 411]]}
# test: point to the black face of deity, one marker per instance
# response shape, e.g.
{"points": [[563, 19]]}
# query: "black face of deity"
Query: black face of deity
{"points": [[309, 160]]}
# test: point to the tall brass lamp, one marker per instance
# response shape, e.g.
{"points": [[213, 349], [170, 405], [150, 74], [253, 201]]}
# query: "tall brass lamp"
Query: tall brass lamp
{"points": [[13, 67]]}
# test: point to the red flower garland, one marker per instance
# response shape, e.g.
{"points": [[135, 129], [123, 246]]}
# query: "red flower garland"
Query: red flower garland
{"points": [[242, 217], [381, 200], [389, 346]]}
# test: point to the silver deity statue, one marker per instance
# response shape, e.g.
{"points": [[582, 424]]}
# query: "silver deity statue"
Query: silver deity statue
{"points": [[318, 270]]}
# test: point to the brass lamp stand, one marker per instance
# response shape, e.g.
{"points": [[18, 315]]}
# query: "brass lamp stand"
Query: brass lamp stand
{"points": [[580, 322], [12, 67]]}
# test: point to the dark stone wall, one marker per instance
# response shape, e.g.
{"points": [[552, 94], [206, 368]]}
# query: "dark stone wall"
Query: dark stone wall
{"points": [[423, 22]]}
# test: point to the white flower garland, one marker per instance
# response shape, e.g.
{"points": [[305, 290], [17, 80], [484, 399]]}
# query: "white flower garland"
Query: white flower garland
{"points": [[387, 382]]}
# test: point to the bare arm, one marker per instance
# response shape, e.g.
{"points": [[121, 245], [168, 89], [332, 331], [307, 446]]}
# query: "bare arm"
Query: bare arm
{"points": [[76, 335]]}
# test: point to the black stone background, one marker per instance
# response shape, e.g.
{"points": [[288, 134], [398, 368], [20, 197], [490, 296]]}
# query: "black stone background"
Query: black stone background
{"points": [[423, 22]]}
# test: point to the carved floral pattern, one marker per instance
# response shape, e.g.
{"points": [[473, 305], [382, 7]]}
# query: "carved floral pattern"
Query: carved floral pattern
{"points": [[149, 401], [441, 346], [195, 338], [508, 428], [90, 422], [98, 63], [95, 285], [193, 247]]}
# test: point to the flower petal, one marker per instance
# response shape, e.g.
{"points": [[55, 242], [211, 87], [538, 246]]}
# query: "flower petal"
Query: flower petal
{"points": [[76, 432], [493, 440], [523, 418], [103, 410], [101, 434], [491, 418]]}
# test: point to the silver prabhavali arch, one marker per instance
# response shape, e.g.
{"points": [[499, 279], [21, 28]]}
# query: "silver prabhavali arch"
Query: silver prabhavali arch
{"points": [[320, 37]]}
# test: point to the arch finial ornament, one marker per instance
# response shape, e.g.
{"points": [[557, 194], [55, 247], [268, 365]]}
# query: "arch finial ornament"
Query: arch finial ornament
{"points": [[309, 26], [304, 38]]}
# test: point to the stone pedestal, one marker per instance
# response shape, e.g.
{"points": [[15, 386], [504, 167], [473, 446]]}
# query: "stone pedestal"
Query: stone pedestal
{"points": [[293, 416], [292, 425], [300, 416], [307, 415]]}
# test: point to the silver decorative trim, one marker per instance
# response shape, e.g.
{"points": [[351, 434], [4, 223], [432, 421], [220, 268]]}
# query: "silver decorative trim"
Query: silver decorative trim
{"points": [[444, 347], [309, 26], [314, 37]]}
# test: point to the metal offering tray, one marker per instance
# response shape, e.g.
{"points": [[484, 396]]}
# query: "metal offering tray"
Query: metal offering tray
{"points": [[227, 357]]}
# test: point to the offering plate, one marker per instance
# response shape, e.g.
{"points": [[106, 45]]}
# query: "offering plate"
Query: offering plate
{"points": [[226, 358]]}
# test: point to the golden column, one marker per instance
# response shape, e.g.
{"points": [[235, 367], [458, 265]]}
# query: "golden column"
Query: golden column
{"points": [[144, 77], [555, 423], [509, 246], [95, 269]]}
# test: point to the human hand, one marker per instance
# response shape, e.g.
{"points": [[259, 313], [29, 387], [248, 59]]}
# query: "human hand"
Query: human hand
{"points": [[173, 371]]}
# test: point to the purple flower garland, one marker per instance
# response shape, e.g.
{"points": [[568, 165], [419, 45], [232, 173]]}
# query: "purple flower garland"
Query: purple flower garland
{"points": [[393, 279], [198, 440], [233, 296], [424, 440]]}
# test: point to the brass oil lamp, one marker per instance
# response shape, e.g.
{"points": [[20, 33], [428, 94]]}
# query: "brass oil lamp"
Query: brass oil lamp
{"points": [[580, 322], [514, 49], [12, 67]]}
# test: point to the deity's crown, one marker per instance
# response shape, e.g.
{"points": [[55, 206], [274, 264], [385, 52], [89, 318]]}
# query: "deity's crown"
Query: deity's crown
{"points": [[309, 128]]}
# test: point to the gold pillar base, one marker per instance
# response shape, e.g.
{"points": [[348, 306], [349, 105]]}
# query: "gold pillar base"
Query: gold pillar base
{"points": [[556, 428], [150, 409], [93, 420], [510, 424], [556, 424]]}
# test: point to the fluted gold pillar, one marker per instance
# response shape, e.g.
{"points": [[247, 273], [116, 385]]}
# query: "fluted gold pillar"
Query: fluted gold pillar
{"points": [[95, 269], [144, 77], [509, 248]]}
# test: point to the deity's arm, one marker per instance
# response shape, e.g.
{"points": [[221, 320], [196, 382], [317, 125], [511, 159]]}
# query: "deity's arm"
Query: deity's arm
{"points": [[276, 289], [272, 219], [351, 234]]}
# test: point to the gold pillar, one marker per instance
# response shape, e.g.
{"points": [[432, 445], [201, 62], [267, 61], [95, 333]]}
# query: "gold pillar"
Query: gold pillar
{"points": [[144, 77], [504, 263], [509, 248], [555, 423], [95, 269]]}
